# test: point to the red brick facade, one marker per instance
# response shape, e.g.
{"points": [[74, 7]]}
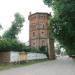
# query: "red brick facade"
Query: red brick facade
{"points": [[38, 30]]}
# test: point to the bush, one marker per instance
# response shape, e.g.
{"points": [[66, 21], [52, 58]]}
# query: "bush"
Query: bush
{"points": [[11, 45], [14, 45], [43, 49]]}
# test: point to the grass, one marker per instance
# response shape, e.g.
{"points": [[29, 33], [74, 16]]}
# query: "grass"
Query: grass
{"points": [[21, 64]]}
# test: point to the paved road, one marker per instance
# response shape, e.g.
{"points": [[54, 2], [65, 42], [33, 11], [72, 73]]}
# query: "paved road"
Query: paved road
{"points": [[61, 66]]}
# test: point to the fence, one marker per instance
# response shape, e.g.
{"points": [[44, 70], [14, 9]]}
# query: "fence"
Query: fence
{"points": [[22, 56]]}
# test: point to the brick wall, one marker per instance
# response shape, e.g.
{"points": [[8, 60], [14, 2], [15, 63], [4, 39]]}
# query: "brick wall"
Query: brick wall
{"points": [[38, 29], [4, 57]]}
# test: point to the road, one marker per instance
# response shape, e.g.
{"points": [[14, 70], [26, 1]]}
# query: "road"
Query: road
{"points": [[60, 66]]}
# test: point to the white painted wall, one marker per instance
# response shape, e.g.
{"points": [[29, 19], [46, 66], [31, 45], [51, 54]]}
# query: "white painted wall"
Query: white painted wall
{"points": [[33, 56], [14, 56]]}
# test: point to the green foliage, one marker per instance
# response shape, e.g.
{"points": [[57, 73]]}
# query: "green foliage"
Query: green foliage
{"points": [[48, 2], [43, 49], [11, 45], [17, 24], [1, 26], [14, 45], [34, 50], [0, 29], [63, 23], [58, 49]]}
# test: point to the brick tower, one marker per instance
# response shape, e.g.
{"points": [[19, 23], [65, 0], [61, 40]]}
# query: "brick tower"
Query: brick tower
{"points": [[38, 32]]}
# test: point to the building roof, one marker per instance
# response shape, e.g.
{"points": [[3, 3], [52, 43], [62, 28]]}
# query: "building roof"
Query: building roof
{"points": [[49, 14]]}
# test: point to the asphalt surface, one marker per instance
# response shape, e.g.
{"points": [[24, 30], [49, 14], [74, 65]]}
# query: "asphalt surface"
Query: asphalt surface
{"points": [[60, 66]]}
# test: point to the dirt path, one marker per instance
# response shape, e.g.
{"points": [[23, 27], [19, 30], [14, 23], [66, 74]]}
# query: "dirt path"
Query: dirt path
{"points": [[61, 66]]}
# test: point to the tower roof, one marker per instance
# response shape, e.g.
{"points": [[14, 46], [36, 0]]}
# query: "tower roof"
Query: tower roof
{"points": [[49, 14]]}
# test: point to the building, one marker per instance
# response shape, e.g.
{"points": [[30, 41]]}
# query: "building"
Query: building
{"points": [[38, 31]]}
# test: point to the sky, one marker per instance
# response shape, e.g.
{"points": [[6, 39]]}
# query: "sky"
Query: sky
{"points": [[9, 7]]}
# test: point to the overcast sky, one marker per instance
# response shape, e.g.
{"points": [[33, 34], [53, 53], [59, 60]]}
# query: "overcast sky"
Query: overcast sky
{"points": [[9, 7]]}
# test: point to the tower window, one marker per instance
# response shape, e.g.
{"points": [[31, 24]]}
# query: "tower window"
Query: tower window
{"points": [[33, 33], [42, 32], [33, 43]]}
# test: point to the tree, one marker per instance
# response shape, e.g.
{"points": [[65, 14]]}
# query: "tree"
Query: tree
{"points": [[12, 45], [17, 24], [1, 26], [57, 48], [0, 29], [63, 23]]}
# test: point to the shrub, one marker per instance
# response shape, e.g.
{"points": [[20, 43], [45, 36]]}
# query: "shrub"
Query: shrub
{"points": [[11, 45]]}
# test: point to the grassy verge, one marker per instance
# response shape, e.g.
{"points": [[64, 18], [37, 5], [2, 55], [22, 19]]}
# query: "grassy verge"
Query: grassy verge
{"points": [[21, 64]]}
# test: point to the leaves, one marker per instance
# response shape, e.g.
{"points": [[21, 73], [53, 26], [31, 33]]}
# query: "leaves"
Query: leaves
{"points": [[63, 23], [11, 45], [15, 28], [48, 2]]}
